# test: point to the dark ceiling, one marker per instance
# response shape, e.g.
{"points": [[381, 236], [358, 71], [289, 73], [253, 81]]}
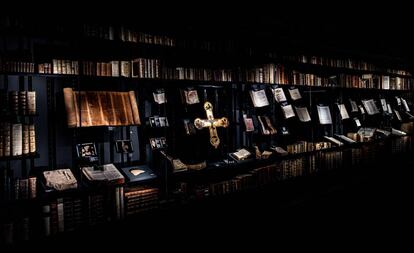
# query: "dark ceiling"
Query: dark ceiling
{"points": [[383, 30]]}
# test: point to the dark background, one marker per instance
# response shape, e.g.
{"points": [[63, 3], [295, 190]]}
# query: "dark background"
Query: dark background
{"points": [[364, 204]]}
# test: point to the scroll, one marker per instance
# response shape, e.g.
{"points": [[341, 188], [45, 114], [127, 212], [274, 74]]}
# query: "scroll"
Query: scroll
{"points": [[100, 108]]}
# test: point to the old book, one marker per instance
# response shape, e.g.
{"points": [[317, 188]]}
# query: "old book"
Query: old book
{"points": [[14, 102], [17, 139], [240, 154], [105, 173], [159, 96], [191, 97], [324, 115], [295, 94], [6, 138], [125, 68], [303, 114], [343, 112], [24, 188], [101, 108], [398, 115], [46, 220], [248, 123], [370, 106], [288, 111], [266, 154], [62, 179], [32, 187], [32, 139], [386, 82], [354, 107], [384, 105], [259, 98], [22, 102], [279, 95], [404, 103], [60, 215], [31, 102], [114, 68], [26, 140], [366, 133]]}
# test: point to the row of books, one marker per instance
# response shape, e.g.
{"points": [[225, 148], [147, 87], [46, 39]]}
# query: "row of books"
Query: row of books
{"points": [[313, 80], [100, 68], [137, 68], [17, 189], [18, 102], [141, 199], [16, 67], [292, 168], [17, 139], [14, 231], [259, 177], [401, 145], [99, 31], [64, 67], [130, 35], [268, 73], [342, 63], [305, 146], [330, 160], [70, 213], [197, 74], [380, 82]]}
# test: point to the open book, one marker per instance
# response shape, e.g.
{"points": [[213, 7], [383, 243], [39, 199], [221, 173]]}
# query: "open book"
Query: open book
{"points": [[259, 98], [240, 154], [106, 173], [324, 115]]}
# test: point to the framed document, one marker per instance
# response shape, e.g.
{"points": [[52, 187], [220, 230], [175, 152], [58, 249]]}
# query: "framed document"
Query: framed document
{"points": [[87, 151], [124, 146]]}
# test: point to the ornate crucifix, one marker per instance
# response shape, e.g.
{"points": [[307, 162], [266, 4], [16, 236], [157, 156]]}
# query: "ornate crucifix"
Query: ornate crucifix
{"points": [[211, 123]]}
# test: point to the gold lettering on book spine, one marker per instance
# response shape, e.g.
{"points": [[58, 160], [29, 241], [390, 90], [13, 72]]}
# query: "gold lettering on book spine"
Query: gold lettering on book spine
{"points": [[211, 123]]}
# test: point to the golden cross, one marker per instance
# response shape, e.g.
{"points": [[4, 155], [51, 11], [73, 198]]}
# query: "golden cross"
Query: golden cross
{"points": [[211, 123]]}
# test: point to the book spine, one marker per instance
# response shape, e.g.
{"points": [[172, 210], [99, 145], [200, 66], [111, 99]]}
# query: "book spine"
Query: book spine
{"points": [[60, 215], [32, 187], [46, 220], [26, 140], [17, 139], [32, 139], [31, 102]]}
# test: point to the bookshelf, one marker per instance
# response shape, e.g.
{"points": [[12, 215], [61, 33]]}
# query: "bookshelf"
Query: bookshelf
{"points": [[170, 66]]}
